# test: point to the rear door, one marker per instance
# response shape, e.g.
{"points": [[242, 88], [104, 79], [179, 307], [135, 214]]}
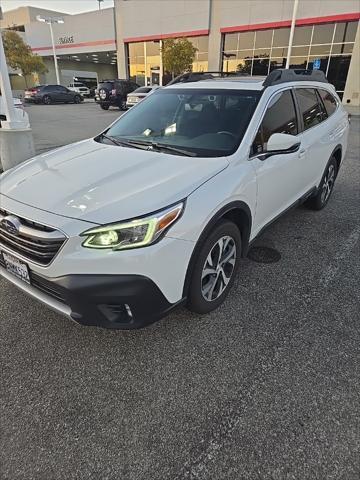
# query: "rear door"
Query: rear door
{"points": [[66, 94], [279, 178], [316, 145]]}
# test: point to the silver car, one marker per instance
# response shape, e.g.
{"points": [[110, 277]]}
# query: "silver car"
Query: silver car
{"points": [[139, 94]]}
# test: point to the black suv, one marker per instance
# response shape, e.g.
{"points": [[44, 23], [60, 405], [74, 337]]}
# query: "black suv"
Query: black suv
{"points": [[114, 93], [52, 94]]}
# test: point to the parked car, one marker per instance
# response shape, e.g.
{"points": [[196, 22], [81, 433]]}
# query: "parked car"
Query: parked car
{"points": [[80, 88], [20, 113], [139, 94], [161, 207], [113, 93], [48, 94]]}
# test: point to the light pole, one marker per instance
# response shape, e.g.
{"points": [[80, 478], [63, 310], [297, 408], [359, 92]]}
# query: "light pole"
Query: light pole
{"points": [[50, 21], [292, 30]]}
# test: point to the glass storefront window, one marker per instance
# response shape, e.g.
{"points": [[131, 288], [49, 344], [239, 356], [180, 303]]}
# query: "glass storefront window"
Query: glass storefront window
{"points": [[279, 52], [341, 48], [320, 50], [338, 70], [323, 34], [300, 51], [281, 37], [231, 41], [302, 36], [257, 53], [263, 39], [144, 60], [345, 32], [246, 40], [261, 67], [298, 62], [262, 52]]}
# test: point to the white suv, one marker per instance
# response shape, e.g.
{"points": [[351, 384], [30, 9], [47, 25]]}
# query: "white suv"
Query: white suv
{"points": [[160, 208], [79, 87]]}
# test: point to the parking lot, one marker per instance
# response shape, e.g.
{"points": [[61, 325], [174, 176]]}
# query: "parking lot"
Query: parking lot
{"points": [[267, 387]]}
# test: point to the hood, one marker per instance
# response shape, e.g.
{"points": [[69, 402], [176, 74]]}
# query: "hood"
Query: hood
{"points": [[102, 183]]}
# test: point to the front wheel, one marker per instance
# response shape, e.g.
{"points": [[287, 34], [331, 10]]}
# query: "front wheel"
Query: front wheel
{"points": [[104, 107], [47, 100], [214, 271], [77, 99], [325, 188]]}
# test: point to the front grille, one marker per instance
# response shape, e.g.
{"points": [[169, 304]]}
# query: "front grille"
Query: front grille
{"points": [[33, 241]]}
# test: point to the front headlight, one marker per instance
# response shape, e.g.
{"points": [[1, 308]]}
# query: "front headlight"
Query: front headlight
{"points": [[134, 233]]}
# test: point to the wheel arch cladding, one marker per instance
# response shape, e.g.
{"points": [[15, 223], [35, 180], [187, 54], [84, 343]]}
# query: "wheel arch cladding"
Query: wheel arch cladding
{"points": [[337, 154], [239, 213]]}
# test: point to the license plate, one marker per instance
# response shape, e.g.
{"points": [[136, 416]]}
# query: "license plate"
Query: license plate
{"points": [[27, 95], [16, 267]]}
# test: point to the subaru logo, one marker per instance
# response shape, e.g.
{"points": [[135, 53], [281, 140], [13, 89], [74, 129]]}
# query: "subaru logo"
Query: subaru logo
{"points": [[10, 224]]}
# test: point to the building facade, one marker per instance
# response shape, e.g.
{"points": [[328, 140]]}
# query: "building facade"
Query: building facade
{"points": [[85, 45], [249, 36]]}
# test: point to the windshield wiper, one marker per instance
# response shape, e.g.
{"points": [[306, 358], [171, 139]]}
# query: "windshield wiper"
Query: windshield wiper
{"points": [[120, 143], [162, 146]]}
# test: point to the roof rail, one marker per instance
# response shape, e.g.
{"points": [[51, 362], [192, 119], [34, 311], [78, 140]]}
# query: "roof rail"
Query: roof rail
{"points": [[197, 76], [284, 75]]}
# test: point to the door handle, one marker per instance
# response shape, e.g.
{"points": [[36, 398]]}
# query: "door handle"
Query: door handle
{"points": [[302, 153]]}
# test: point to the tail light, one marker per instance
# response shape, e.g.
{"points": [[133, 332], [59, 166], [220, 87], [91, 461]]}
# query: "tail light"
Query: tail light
{"points": [[113, 91]]}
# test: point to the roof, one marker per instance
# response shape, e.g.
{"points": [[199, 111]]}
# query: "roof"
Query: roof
{"points": [[276, 77], [231, 83]]}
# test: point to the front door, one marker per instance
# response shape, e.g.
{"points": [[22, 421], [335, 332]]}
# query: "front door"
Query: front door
{"points": [[279, 178]]}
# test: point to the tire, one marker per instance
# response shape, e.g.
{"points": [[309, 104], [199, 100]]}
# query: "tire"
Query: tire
{"points": [[46, 100], [207, 289], [319, 201], [104, 107], [77, 99]]}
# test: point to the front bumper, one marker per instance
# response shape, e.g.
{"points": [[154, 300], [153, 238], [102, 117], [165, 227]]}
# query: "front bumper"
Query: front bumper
{"points": [[108, 301]]}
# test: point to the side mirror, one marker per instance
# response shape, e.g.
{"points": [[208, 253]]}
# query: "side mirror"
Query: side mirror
{"points": [[280, 143]]}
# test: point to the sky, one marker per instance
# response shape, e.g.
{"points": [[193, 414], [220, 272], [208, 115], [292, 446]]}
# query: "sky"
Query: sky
{"points": [[66, 6]]}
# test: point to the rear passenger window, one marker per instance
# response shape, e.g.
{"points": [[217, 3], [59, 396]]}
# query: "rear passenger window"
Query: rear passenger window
{"points": [[328, 101], [280, 117], [310, 108]]}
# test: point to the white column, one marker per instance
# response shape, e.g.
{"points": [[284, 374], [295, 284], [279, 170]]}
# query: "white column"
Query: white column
{"points": [[352, 88], [145, 62], [161, 64], [292, 31], [6, 90], [54, 53]]}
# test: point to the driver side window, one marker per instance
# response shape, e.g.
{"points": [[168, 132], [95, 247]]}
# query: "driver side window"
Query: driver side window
{"points": [[280, 117]]}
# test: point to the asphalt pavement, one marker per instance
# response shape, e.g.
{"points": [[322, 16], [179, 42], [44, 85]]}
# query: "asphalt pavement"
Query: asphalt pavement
{"points": [[265, 388]]}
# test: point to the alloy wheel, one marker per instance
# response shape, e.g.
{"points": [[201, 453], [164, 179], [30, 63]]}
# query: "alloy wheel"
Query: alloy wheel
{"points": [[218, 268], [328, 184]]}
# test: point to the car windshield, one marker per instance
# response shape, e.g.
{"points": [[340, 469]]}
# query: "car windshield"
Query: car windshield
{"points": [[200, 122]]}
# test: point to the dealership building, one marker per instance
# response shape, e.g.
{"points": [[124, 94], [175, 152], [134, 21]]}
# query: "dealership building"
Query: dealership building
{"points": [[85, 44], [248, 36]]}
